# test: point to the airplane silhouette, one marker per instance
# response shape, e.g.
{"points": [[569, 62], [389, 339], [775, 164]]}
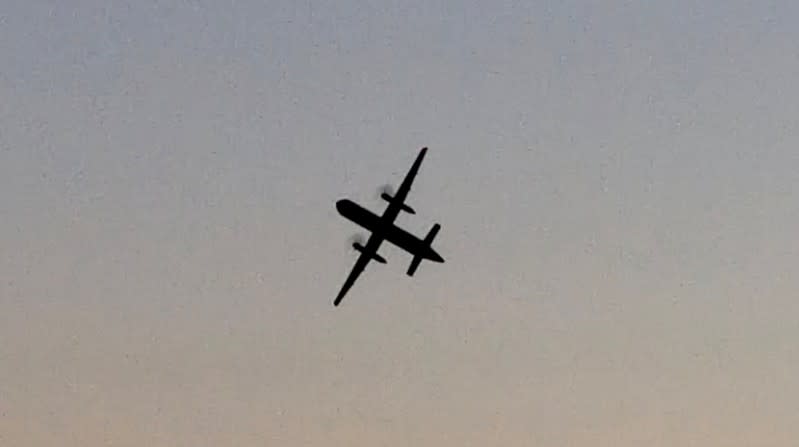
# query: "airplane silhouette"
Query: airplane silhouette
{"points": [[383, 229]]}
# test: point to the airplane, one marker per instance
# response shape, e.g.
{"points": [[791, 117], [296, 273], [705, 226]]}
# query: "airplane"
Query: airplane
{"points": [[383, 229]]}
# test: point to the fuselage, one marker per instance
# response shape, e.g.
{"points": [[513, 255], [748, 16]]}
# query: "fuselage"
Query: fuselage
{"points": [[383, 228]]}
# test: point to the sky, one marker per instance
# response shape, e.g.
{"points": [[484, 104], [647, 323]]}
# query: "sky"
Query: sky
{"points": [[614, 180]]}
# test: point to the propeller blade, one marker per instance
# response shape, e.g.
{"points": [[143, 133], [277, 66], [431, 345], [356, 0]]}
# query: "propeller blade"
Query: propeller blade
{"points": [[356, 239], [385, 189]]}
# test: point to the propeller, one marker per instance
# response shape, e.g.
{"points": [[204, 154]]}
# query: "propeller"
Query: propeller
{"points": [[356, 239], [385, 189]]}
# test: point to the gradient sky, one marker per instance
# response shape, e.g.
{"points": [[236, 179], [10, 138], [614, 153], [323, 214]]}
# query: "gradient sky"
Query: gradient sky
{"points": [[615, 182]]}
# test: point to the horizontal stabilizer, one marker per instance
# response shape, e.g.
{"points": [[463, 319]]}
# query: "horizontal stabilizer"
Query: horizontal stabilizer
{"points": [[374, 256], [402, 206], [432, 234], [414, 265]]}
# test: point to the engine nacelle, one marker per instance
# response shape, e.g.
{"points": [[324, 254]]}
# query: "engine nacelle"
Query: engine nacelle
{"points": [[375, 256], [403, 206]]}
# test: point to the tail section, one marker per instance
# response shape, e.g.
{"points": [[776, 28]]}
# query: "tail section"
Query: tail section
{"points": [[427, 251]]}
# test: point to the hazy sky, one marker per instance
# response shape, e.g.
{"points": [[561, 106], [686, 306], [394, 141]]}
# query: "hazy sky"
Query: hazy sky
{"points": [[615, 182]]}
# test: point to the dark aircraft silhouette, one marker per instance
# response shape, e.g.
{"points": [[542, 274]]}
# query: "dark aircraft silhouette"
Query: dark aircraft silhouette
{"points": [[383, 229]]}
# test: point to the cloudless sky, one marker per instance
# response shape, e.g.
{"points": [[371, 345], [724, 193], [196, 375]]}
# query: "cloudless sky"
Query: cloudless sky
{"points": [[615, 183]]}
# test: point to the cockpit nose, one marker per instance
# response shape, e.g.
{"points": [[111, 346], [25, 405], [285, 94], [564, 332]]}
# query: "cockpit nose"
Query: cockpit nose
{"points": [[341, 205]]}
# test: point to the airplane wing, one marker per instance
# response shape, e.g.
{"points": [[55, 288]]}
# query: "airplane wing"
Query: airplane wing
{"points": [[368, 253], [405, 187]]}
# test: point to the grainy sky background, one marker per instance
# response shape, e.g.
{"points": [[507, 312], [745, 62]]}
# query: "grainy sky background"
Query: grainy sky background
{"points": [[615, 183]]}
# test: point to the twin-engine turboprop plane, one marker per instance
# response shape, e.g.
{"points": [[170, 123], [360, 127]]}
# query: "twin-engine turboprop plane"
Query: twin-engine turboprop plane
{"points": [[383, 229]]}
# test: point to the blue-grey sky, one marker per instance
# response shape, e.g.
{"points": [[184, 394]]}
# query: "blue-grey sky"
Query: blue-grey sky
{"points": [[614, 180]]}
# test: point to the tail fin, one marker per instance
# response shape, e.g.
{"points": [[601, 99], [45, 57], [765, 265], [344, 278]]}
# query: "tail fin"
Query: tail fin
{"points": [[428, 241]]}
